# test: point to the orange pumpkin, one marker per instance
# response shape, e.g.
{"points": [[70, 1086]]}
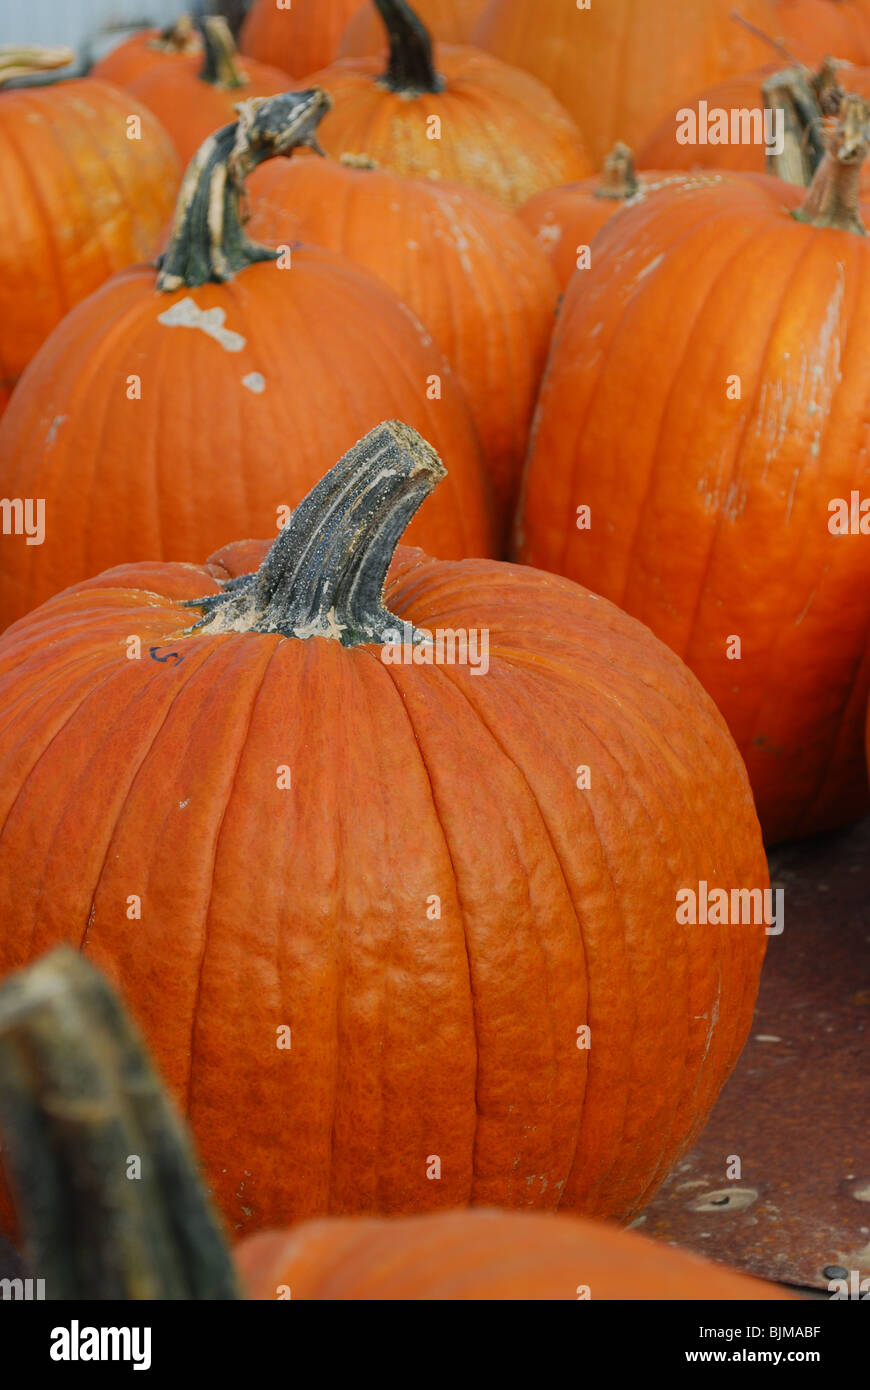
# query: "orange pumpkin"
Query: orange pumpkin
{"points": [[177, 43], [297, 38], [620, 65], [706, 398], [123, 414], [564, 220], [812, 30], [195, 97], [448, 21], [371, 894], [465, 1256], [497, 128], [459, 260], [80, 200]]}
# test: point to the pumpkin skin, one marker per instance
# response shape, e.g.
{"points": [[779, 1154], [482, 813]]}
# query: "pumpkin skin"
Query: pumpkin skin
{"points": [[458, 259], [813, 30], [662, 151], [645, 56], [297, 40], [80, 202], [178, 44], [292, 365], [501, 131], [480, 1254], [710, 515], [190, 108], [448, 21], [557, 909], [562, 220]]}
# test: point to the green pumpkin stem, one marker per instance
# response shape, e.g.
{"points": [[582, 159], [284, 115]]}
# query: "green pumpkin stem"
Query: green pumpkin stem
{"points": [[220, 66], [411, 69], [79, 1102], [324, 576], [208, 241], [833, 199], [619, 179]]}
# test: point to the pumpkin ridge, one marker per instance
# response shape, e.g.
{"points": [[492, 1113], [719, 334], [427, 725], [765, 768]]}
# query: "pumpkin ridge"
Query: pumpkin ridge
{"points": [[28, 170], [256, 684]]}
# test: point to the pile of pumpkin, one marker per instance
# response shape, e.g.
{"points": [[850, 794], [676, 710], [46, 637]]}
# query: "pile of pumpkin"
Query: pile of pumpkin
{"points": [[404, 940]]}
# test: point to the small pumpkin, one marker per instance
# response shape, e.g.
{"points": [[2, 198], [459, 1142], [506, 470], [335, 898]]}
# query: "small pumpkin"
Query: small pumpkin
{"points": [[80, 199], [297, 38], [448, 21], [270, 361], [179, 42], [497, 128], [463, 1256], [619, 66], [461, 261], [197, 96], [369, 895], [731, 316], [564, 220]]}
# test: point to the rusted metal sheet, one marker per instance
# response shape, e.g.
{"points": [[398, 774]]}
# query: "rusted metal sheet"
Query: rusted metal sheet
{"points": [[796, 1111]]}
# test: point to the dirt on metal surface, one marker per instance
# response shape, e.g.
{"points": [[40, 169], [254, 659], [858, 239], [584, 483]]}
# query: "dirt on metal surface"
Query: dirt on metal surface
{"points": [[796, 1111]]}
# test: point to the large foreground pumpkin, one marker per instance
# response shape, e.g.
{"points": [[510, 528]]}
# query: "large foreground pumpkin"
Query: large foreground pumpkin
{"points": [[170, 411], [620, 65], [463, 264], [706, 398], [81, 199], [459, 115], [474, 1255], [402, 932]]}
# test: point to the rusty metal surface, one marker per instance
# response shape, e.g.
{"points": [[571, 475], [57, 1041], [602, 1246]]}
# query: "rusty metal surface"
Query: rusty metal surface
{"points": [[796, 1111]]}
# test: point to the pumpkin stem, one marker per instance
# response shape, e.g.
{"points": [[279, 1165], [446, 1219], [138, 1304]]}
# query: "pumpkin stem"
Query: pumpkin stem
{"points": [[619, 179], [208, 241], [324, 576], [804, 100], [833, 197], [411, 69], [220, 66], [177, 37], [79, 1102], [18, 60]]}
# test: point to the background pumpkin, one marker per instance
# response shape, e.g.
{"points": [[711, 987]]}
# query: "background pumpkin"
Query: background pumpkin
{"points": [[272, 372], [812, 30], [479, 1254], [501, 131], [298, 39], [177, 43], [80, 201], [448, 21], [621, 65], [193, 98], [564, 219], [462, 263], [452, 1033], [710, 513]]}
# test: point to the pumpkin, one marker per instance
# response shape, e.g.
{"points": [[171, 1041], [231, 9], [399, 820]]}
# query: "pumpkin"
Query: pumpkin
{"points": [[193, 98], [564, 220], [448, 21], [80, 199], [368, 896], [461, 261], [480, 1254], [620, 65], [812, 30], [297, 38], [222, 355], [807, 101], [497, 128], [730, 315], [177, 43]]}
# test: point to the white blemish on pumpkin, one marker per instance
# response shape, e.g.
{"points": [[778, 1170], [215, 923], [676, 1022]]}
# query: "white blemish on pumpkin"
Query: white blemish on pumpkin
{"points": [[256, 382], [549, 235], [648, 269], [186, 313], [425, 338], [182, 804], [54, 427]]}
